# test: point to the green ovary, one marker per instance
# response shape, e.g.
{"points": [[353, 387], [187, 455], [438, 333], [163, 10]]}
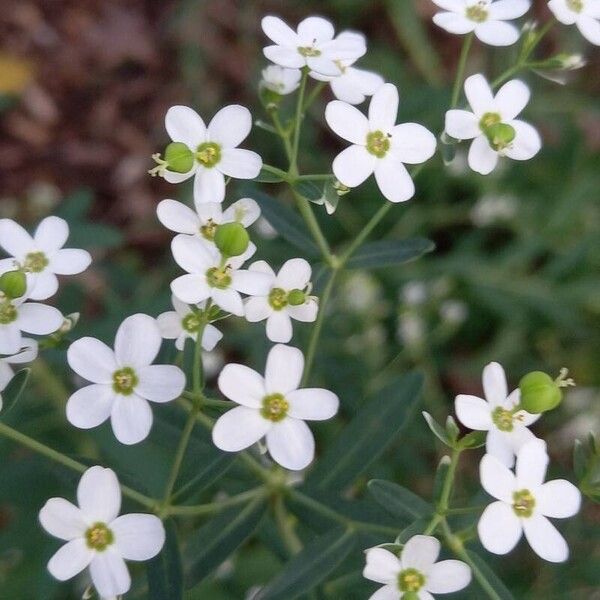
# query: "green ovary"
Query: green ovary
{"points": [[98, 537], [477, 12], [503, 419], [8, 313], [274, 407], [208, 154], [218, 278], [523, 503], [378, 143], [124, 381], [35, 262], [191, 322], [410, 580]]}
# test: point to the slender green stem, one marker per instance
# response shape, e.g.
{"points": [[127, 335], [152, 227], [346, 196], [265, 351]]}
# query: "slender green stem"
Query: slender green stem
{"points": [[198, 367], [298, 124], [313, 225], [314, 94], [444, 502], [278, 172], [315, 177], [465, 510], [285, 526], [215, 507], [68, 462], [283, 133], [460, 71]]}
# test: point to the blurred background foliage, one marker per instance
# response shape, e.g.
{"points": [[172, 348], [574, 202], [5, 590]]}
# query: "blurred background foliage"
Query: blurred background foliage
{"points": [[84, 86]]}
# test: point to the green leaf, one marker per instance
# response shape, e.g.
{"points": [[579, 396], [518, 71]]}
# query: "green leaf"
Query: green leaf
{"points": [[586, 458], [387, 253], [452, 429], [213, 543], [376, 425], [331, 198], [311, 566], [286, 222], [13, 390], [447, 147], [398, 500], [310, 191], [474, 439], [440, 477], [488, 574], [165, 572], [267, 177], [437, 430], [419, 526]]}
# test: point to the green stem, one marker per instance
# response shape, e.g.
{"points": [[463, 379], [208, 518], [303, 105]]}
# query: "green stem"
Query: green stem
{"points": [[313, 225], [215, 507], [315, 177], [275, 171], [460, 71], [68, 462], [285, 526], [297, 124], [313, 95], [283, 134], [444, 502]]}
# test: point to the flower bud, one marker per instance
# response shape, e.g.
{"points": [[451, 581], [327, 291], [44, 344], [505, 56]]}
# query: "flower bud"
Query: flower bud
{"points": [[13, 284], [231, 239], [500, 135], [296, 297], [539, 392], [179, 157], [269, 97]]}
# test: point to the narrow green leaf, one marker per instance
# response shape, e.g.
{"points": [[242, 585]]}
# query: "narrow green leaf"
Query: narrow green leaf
{"points": [[398, 500], [440, 477], [378, 423], [387, 253], [419, 526], [474, 439], [437, 430], [311, 566], [14, 389], [310, 191], [452, 429], [267, 177], [165, 572], [213, 543], [490, 576]]}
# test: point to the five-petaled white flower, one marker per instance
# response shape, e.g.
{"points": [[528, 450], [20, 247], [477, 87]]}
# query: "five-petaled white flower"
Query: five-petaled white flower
{"points": [[523, 504], [210, 276], [378, 145], [416, 572], [498, 415], [312, 45], [485, 18], [97, 537], [214, 149], [27, 354], [42, 257], [123, 381], [184, 323], [583, 13], [493, 124], [287, 299], [273, 407], [280, 80]]}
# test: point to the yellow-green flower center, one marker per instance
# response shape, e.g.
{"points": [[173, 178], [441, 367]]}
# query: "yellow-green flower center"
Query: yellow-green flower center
{"points": [[124, 381], [478, 12], [309, 51], [503, 419], [488, 120], [523, 503], [219, 277], [8, 313], [278, 298], [274, 407], [410, 580], [207, 231], [98, 537], [208, 154], [35, 262], [191, 322], [575, 5], [378, 143]]}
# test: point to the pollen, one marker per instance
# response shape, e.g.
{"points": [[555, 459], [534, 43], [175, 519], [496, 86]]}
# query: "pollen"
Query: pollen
{"points": [[478, 12], [35, 262], [208, 154], [274, 407], [207, 231], [410, 580], [98, 537], [503, 419], [378, 143], [124, 381], [219, 277]]}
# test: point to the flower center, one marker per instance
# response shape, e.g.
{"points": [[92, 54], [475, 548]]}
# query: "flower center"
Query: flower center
{"points": [[8, 313], [478, 12], [575, 5], [523, 503], [309, 51], [207, 231], [35, 262], [488, 120], [410, 580], [503, 419], [208, 154], [274, 407], [191, 322], [98, 537], [124, 381], [278, 298], [378, 143], [219, 277]]}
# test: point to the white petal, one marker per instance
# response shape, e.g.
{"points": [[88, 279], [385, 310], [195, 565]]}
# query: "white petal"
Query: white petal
{"points": [[185, 125], [191, 288], [482, 157], [169, 324], [412, 143], [518, 437], [278, 31], [251, 282], [239, 163], [527, 142], [291, 444], [353, 165], [346, 48], [497, 33], [499, 528], [382, 566], [99, 494], [245, 211], [160, 383], [257, 309], [131, 419], [62, 519], [44, 285], [138, 536], [496, 479], [544, 539], [28, 353], [70, 560], [420, 552], [294, 274], [193, 255], [498, 444], [239, 428], [285, 57], [451, 5], [324, 64], [473, 412], [211, 337], [383, 109], [10, 339], [230, 126], [558, 499], [312, 404], [387, 592], [315, 28], [39, 319], [562, 12], [90, 406], [279, 327], [283, 372], [137, 341], [14, 239], [173, 177], [176, 216], [228, 300], [461, 124], [209, 211], [70, 261], [448, 576], [508, 9], [261, 266], [394, 180], [209, 186], [109, 574], [479, 94], [532, 462], [51, 234], [494, 384], [347, 122], [242, 385], [306, 312], [512, 98], [453, 22]]}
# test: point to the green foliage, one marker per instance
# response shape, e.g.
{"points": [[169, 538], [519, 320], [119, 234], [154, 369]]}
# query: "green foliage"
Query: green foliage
{"points": [[165, 571], [13, 391]]}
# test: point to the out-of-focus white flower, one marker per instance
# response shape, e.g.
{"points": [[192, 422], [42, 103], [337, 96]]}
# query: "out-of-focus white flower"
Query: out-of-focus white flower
{"points": [[585, 14], [414, 292], [280, 80], [491, 208], [411, 329], [453, 311]]}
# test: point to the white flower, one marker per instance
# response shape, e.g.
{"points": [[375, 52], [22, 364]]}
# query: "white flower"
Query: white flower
{"points": [[507, 428], [312, 45], [583, 13], [524, 503], [483, 17], [42, 256], [378, 145], [273, 407], [516, 139], [123, 381], [287, 299], [415, 571], [97, 537], [184, 322], [27, 354], [208, 277], [214, 149], [31, 317], [280, 80]]}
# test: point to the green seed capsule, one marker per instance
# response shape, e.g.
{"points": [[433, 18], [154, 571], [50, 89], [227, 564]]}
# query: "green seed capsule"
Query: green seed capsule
{"points": [[296, 297], [500, 135], [539, 392], [179, 157], [232, 239], [13, 284]]}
